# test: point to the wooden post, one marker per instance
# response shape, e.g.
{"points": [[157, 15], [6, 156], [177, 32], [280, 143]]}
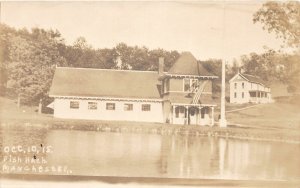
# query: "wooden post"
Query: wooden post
{"points": [[188, 114], [40, 106], [212, 116], [198, 116], [256, 94], [19, 100], [200, 120], [173, 113]]}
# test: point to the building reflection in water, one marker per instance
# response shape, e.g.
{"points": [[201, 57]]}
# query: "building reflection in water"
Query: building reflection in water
{"points": [[209, 157], [190, 157], [152, 155]]}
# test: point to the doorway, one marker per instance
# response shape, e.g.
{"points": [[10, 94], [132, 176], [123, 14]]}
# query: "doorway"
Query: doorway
{"points": [[193, 115]]}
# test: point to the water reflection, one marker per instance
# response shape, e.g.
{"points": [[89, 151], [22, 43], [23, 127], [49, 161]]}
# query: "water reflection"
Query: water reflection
{"points": [[151, 155]]}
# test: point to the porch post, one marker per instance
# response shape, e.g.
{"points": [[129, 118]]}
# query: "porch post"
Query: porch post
{"points": [[173, 113], [187, 117], [199, 115], [212, 116], [256, 95]]}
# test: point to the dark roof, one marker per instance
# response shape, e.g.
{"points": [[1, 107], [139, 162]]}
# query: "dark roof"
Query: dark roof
{"points": [[187, 64], [254, 79], [105, 83]]}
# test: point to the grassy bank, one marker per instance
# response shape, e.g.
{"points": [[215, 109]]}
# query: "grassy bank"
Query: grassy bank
{"points": [[274, 115], [262, 125]]}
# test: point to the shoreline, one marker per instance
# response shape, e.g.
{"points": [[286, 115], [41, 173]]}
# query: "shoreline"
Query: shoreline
{"points": [[141, 181], [231, 132]]}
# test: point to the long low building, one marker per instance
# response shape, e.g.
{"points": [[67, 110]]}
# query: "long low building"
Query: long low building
{"points": [[183, 95], [245, 88]]}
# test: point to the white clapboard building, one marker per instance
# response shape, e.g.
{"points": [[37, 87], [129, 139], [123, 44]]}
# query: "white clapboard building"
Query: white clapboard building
{"points": [[183, 95], [245, 88]]}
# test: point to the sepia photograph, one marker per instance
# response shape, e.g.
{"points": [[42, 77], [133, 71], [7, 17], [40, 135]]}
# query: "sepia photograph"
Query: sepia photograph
{"points": [[150, 94]]}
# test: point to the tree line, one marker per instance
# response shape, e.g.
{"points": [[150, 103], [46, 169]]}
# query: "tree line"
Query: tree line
{"points": [[28, 58]]}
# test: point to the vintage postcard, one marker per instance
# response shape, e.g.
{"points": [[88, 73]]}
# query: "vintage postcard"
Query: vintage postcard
{"points": [[150, 94]]}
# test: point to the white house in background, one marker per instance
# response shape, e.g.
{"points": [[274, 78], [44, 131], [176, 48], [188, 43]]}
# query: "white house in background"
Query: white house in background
{"points": [[245, 88], [183, 95]]}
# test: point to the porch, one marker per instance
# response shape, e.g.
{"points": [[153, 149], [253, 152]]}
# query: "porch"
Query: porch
{"points": [[192, 114], [259, 96]]}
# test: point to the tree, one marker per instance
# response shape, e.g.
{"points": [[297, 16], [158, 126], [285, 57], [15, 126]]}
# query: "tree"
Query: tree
{"points": [[170, 58], [262, 65], [106, 59], [290, 72], [141, 58], [28, 59], [283, 18], [31, 63], [272, 66], [81, 44], [215, 67], [233, 69], [4, 38], [124, 54]]}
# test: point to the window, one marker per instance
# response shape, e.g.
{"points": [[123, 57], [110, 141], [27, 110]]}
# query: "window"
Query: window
{"points": [[128, 107], [92, 105], [146, 107], [190, 84], [180, 111], [110, 106], [235, 85], [186, 84], [74, 104], [242, 94], [234, 94], [243, 85]]}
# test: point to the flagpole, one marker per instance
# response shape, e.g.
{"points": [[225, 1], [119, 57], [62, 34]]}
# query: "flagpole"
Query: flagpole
{"points": [[223, 122]]}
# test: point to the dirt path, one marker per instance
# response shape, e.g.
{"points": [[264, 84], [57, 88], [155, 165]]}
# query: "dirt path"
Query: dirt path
{"points": [[239, 109]]}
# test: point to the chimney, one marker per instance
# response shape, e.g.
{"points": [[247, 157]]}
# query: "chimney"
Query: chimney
{"points": [[161, 66]]}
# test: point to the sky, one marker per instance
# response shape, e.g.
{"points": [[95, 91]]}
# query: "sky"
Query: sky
{"points": [[206, 29]]}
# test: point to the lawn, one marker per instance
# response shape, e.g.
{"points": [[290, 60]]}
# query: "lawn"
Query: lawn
{"points": [[10, 111], [274, 115]]}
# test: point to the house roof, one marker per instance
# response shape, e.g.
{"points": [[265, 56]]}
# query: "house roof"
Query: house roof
{"points": [[187, 64], [84, 82], [251, 78], [255, 79]]}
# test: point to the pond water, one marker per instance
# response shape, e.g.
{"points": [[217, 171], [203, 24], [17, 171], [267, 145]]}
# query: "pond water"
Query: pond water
{"points": [[145, 155]]}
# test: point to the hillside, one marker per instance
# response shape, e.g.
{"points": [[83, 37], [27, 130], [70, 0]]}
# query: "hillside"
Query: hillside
{"points": [[274, 115]]}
